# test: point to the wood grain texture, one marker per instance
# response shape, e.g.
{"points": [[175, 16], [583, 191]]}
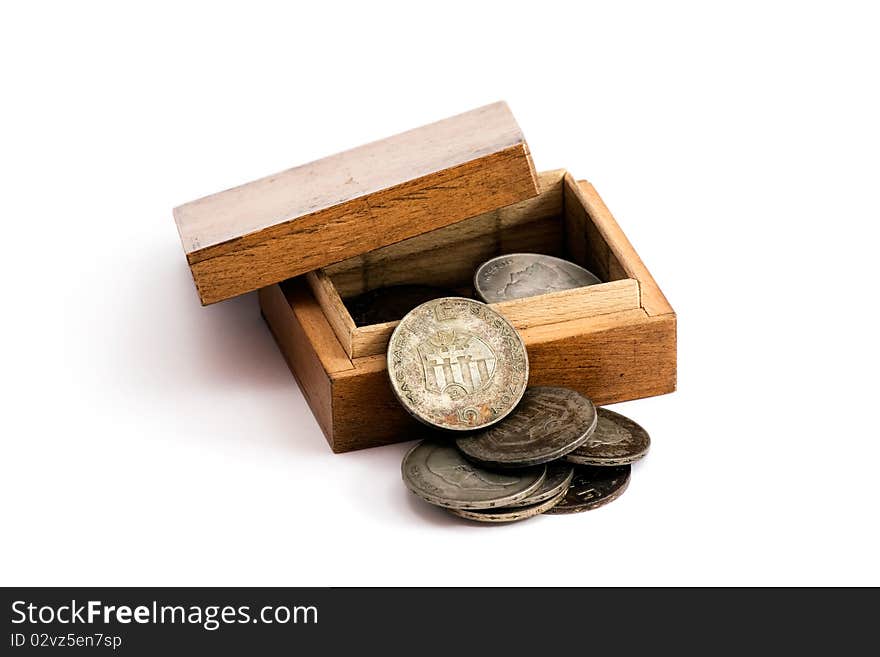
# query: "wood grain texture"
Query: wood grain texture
{"points": [[610, 359], [334, 309], [455, 251], [354, 202], [371, 340], [365, 411], [299, 352], [623, 261], [584, 242], [566, 305]]}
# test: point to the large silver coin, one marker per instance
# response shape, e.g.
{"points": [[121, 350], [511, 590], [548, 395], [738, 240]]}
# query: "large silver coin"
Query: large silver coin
{"points": [[439, 474], [617, 440], [456, 364], [558, 479], [548, 424], [592, 487], [511, 514], [519, 275]]}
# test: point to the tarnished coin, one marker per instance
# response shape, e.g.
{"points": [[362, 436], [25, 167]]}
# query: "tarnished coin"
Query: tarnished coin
{"points": [[456, 364], [592, 487], [389, 304], [518, 275], [559, 474], [510, 514], [439, 474], [547, 425], [617, 440]]}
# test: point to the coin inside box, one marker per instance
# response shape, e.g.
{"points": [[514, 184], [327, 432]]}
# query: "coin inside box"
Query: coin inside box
{"points": [[613, 341]]}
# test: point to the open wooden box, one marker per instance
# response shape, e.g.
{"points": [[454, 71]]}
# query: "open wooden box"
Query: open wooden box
{"points": [[614, 341], [428, 206]]}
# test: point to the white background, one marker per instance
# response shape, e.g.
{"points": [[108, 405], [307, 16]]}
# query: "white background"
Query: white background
{"points": [[148, 440]]}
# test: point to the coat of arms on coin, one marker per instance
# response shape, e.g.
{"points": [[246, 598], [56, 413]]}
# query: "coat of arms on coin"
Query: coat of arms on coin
{"points": [[455, 363]]}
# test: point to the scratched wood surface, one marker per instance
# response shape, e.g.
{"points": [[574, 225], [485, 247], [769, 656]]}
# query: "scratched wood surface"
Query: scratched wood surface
{"points": [[357, 201]]}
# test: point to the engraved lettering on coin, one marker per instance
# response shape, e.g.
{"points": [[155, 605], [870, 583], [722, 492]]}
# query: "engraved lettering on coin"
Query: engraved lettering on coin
{"points": [[439, 474], [617, 440], [456, 364], [520, 275], [592, 487], [548, 423], [511, 513]]}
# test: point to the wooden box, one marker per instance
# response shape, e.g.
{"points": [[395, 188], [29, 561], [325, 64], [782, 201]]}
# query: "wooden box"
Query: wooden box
{"points": [[474, 195], [614, 342]]}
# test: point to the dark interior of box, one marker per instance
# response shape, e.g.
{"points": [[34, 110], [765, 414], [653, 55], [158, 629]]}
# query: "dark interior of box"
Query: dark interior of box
{"points": [[448, 257]]}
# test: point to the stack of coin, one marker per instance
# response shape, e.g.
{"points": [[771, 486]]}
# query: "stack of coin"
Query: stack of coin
{"points": [[554, 453], [501, 451]]}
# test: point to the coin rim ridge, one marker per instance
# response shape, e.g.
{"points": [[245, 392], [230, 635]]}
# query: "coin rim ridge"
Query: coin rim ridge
{"points": [[612, 461], [556, 456], [493, 516], [436, 501], [440, 426], [564, 487], [598, 503]]}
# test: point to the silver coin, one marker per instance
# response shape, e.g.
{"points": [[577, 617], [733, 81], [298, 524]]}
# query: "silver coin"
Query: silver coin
{"points": [[592, 487], [439, 474], [456, 364], [617, 440], [519, 275], [558, 479], [511, 514], [548, 424]]}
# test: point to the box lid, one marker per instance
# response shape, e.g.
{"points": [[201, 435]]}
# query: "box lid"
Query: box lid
{"points": [[344, 205]]}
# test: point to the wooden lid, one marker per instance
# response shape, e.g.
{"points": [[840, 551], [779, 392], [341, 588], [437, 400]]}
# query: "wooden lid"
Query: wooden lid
{"points": [[347, 204]]}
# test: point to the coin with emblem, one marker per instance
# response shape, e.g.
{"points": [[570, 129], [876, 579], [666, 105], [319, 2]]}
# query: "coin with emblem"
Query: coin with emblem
{"points": [[439, 474], [592, 487], [519, 275], [389, 304], [510, 513], [617, 440], [559, 474], [546, 425], [456, 364]]}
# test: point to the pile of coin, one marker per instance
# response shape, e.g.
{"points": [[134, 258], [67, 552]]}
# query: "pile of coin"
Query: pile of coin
{"points": [[553, 453], [498, 450]]}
